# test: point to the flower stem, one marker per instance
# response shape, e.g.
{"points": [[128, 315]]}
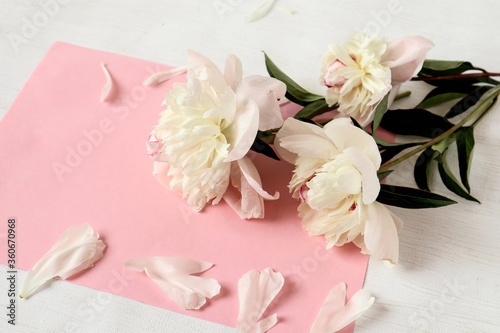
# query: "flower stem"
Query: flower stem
{"points": [[402, 95], [456, 76], [486, 104]]}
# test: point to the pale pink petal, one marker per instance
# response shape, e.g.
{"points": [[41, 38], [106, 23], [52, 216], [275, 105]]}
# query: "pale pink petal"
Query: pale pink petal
{"points": [[78, 248], [260, 11], [307, 145], [255, 292], [265, 91], [204, 69], [160, 170], [370, 182], [291, 127], [252, 176], [345, 136], [240, 134], [172, 275], [334, 315], [107, 86], [160, 77], [381, 234], [233, 71], [405, 57]]}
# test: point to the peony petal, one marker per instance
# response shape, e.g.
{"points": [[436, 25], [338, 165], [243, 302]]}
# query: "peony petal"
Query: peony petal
{"points": [[334, 315], [260, 11], [306, 145], [241, 133], [255, 292], [241, 197], [251, 175], [370, 182], [292, 127], [164, 76], [78, 248], [171, 274], [381, 234], [107, 86], [204, 69], [265, 91], [405, 57], [233, 72], [345, 136]]}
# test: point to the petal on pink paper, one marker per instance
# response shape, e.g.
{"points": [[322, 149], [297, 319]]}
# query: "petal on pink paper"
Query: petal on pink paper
{"points": [[252, 176], [256, 291], [78, 248], [405, 56], [107, 86], [172, 275], [160, 77], [335, 314], [381, 233]]}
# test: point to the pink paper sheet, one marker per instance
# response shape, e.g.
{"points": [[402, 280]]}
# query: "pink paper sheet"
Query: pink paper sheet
{"points": [[69, 159]]}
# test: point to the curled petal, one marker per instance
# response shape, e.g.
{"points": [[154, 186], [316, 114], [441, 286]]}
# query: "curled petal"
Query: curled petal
{"points": [[335, 314], [172, 275], [381, 233], [241, 133], [293, 127], [160, 77], [255, 292], [345, 136], [233, 71], [107, 86], [405, 57], [265, 91], [251, 175], [260, 11], [78, 248]]}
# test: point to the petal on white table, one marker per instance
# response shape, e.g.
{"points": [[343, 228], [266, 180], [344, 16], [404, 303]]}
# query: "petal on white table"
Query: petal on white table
{"points": [[160, 77], [256, 291], [260, 11], [107, 86], [172, 275], [335, 314], [78, 248]]}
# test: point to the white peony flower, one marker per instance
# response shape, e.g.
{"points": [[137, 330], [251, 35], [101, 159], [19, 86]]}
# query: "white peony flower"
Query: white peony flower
{"points": [[202, 138], [361, 71], [336, 179]]}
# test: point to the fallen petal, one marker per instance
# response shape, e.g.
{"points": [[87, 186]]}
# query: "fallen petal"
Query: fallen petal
{"points": [[334, 315], [107, 87], [172, 275], [164, 76], [78, 248], [255, 292], [260, 11]]}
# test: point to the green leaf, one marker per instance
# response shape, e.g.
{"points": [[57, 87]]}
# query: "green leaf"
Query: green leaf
{"points": [[406, 197], [439, 99], [382, 175], [390, 152], [449, 179], [444, 67], [294, 91], [422, 169], [379, 112], [465, 147], [467, 102], [260, 146], [442, 145], [314, 109], [415, 122]]}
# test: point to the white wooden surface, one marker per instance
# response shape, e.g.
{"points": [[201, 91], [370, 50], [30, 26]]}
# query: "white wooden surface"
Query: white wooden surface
{"points": [[448, 278]]}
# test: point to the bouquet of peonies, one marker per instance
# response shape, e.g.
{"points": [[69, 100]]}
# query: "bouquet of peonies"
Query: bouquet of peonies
{"points": [[202, 139]]}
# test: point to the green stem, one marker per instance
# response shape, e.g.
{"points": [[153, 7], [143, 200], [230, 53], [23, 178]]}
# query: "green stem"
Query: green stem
{"points": [[455, 76], [402, 95], [496, 91]]}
